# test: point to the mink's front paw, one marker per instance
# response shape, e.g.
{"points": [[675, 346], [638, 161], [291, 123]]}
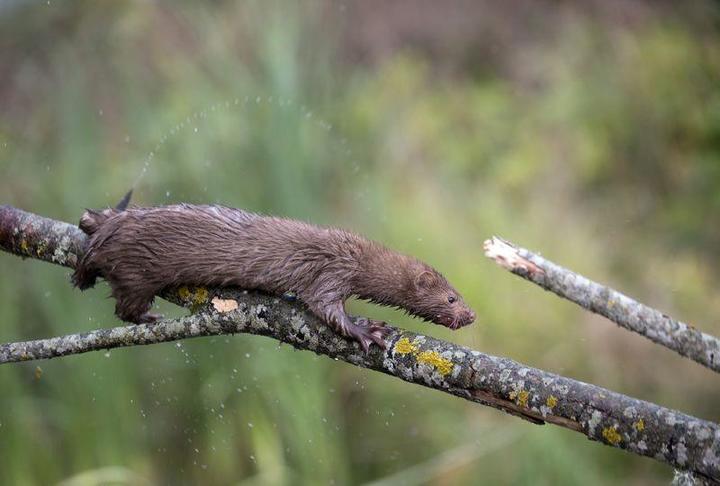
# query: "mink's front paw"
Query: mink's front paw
{"points": [[367, 331]]}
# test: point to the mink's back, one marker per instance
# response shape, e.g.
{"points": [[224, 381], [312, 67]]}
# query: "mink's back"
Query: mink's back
{"points": [[148, 249]]}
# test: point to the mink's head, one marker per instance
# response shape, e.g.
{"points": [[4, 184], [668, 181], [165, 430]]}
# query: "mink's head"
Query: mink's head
{"points": [[431, 297]]}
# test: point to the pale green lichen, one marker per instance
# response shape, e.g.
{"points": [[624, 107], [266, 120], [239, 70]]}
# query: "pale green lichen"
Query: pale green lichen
{"points": [[681, 454], [257, 319], [41, 247], [594, 421], [297, 323]]}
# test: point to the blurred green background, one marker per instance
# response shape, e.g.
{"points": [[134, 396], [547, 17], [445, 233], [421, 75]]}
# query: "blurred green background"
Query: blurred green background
{"points": [[588, 131]]}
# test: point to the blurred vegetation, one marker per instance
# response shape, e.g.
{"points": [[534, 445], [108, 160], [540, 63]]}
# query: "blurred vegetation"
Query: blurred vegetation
{"points": [[588, 132]]}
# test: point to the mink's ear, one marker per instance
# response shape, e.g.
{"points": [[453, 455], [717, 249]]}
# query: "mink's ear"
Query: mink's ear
{"points": [[425, 279]]}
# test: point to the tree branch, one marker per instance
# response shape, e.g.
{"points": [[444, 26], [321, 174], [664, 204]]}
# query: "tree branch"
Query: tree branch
{"points": [[643, 428], [660, 328]]}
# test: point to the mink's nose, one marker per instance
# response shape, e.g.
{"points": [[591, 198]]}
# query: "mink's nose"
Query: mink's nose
{"points": [[468, 317]]}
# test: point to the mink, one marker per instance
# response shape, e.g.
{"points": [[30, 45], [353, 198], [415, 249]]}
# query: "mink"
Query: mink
{"points": [[140, 251]]}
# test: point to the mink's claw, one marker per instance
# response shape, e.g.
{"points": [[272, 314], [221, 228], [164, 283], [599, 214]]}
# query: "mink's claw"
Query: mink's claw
{"points": [[149, 318], [368, 334], [365, 322]]}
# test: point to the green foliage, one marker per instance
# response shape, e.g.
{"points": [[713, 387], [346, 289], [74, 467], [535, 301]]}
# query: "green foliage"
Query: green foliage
{"points": [[605, 159]]}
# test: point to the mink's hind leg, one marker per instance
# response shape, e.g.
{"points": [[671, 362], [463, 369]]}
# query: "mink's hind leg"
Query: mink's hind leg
{"points": [[132, 306], [84, 277]]}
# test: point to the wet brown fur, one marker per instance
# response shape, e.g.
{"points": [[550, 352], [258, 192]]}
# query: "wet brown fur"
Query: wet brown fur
{"points": [[141, 251]]}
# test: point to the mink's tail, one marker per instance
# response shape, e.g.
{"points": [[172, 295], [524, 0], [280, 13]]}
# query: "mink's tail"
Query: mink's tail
{"points": [[85, 276], [92, 219], [123, 204]]}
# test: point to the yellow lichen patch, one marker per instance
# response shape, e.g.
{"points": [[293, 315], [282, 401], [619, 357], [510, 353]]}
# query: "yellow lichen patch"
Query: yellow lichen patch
{"points": [[24, 246], [611, 435], [195, 297], [639, 425], [551, 401], [404, 346], [201, 296], [184, 293], [523, 398], [520, 396], [443, 365]]}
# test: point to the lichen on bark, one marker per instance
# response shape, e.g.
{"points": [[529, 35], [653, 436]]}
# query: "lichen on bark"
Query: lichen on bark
{"points": [[660, 328], [643, 428]]}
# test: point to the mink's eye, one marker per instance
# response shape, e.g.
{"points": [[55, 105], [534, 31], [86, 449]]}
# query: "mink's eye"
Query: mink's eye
{"points": [[452, 299]]}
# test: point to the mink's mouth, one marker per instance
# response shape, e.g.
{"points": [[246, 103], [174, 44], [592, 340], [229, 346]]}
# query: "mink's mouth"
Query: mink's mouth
{"points": [[462, 320], [453, 322], [457, 324]]}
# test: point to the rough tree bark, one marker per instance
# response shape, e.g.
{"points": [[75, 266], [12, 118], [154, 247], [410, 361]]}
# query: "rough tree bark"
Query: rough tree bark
{"points": [[643, 428], [660, 328]]}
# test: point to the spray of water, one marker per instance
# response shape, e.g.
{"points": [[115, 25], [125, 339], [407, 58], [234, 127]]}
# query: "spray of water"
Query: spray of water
{"points": [[225, 107]]}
